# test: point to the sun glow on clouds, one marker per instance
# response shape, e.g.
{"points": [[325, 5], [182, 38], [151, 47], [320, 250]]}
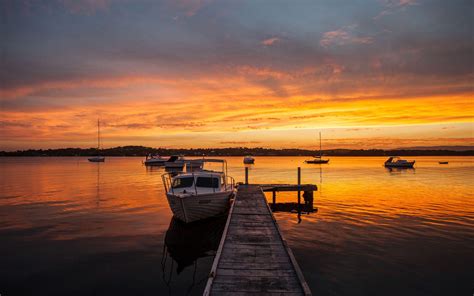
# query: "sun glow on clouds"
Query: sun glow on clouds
{"points": [[171, 113], [236, 86]]}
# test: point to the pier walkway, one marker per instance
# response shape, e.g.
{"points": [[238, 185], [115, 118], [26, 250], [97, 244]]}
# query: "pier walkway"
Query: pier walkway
{"points": [[253, 258]]}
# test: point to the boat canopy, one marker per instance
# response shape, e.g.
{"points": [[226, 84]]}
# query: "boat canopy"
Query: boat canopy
{"points": [[173, 158], [223, 162]]}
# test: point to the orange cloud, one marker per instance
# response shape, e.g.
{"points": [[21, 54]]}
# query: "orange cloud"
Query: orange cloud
{"points": [[270, 41], [246, 103], [343, 36]]}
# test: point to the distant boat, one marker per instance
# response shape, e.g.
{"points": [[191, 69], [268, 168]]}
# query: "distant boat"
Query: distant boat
{"points": [[175, 162], [155, 160], [199, 195], [443, 162], [97, 158], [249, 159], [318, 159], [397, 162]]}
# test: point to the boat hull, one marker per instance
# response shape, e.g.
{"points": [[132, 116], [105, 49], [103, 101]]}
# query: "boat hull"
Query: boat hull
{"points": [[154, 162], [316, 161], [175, 164], [190, 208], [97, 159], [400, 165]]}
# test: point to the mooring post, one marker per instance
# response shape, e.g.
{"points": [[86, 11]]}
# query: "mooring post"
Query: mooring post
{"points": [[274, 199], [246, 176], [299, 191]]}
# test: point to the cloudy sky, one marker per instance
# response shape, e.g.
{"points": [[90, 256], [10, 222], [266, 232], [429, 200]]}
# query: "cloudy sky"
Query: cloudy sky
{"points": [[202, 73]]}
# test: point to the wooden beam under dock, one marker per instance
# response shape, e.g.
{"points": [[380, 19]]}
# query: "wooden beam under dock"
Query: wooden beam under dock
{"points": [[253, 257], [287, 187]]}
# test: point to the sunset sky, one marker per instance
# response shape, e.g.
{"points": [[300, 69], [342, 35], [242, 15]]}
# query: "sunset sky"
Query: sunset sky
{"points": [[202, 73]]}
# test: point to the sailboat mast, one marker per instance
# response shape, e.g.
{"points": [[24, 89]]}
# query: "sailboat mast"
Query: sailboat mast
{"points": [[320, 151], [98, 134]]}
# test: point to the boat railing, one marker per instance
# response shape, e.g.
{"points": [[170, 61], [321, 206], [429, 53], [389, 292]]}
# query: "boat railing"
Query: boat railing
{"points": [[229, 182], [167, 179]]}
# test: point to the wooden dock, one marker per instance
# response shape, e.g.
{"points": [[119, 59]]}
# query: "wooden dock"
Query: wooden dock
{"points": [[253, 257]]}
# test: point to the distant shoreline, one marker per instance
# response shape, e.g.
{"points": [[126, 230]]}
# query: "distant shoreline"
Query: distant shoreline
{"points": [[141, 151]]}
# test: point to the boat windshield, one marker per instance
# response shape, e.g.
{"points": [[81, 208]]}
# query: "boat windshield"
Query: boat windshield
{"points": [[173, 158], [207, 182], [183, 182]]}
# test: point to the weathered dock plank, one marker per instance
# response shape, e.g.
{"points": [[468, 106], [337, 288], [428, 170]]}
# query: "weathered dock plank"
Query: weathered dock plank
{"points": [[253, 258]]}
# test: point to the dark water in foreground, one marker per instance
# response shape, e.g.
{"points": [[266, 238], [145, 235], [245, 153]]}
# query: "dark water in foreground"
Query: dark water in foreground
{"points": [[69, 227]]}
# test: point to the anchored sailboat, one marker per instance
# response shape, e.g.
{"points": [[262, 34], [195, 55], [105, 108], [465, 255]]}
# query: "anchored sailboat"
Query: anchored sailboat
{"points": [[97, 158], [318, 159]]}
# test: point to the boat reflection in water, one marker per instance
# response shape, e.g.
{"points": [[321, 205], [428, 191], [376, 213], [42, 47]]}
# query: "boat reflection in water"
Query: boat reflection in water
{"points": [[187, 243], [399, 171]]}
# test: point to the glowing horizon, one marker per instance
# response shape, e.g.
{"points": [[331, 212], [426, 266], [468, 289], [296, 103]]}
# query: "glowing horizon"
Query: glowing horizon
{"points": [[207, 74]]}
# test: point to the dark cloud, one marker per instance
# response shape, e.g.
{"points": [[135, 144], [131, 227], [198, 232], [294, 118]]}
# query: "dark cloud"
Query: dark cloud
{"points": [[430, 38]]}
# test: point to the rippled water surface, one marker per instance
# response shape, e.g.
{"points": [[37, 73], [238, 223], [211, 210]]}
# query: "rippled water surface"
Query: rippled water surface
{"points": [[68, 227]]}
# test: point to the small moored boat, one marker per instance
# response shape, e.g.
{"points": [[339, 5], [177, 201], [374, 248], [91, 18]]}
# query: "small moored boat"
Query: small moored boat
{"points": [[97, 158], [318, 159], [249, 159], [443, 162], [175, 162], [397, 162], [198, 195], [155, 160]]}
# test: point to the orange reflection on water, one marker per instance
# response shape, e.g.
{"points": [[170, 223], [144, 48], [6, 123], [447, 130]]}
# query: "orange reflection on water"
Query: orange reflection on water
{"points": [[123, 194]]}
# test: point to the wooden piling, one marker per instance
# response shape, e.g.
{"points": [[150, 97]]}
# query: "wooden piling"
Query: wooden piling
{"points": [[299, 190], [274, 197]]}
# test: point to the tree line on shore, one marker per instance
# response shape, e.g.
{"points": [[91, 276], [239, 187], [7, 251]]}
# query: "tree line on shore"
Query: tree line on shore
{"points": [[235, 151]]}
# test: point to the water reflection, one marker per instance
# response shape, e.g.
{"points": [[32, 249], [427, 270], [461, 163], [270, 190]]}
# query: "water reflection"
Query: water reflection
{"points": [[98, 183], [409, 229], [153, 169], [173, 170], [185, 244], [398, 171]]}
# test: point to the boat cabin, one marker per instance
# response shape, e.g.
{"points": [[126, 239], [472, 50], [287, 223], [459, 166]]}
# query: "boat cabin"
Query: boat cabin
{"points": [[198, 183]]}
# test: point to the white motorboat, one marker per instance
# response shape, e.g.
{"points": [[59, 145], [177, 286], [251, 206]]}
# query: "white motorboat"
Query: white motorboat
{"points": [[155, 160], [195, 196], [249, 159], [175, 162], [397, 162], [97, 158], [318, 159]]}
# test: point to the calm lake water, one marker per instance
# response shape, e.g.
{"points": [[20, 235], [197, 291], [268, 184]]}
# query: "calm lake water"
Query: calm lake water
{"points": [[70, 227]]}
